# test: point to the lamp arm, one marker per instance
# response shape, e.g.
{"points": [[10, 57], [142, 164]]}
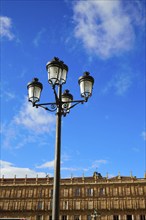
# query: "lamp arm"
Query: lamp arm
{"points": [[76, 102], [52, 105]]}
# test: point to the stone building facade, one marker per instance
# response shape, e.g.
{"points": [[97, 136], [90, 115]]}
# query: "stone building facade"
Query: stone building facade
{"points": [[116, 198]]}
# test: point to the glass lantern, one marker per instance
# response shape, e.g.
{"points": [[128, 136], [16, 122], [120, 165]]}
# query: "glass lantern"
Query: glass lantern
{"points": [[66, 99], [86, 85], [34, 90], [57, 72]]}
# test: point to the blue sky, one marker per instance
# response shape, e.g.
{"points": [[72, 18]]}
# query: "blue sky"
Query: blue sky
{"points": [[106, 38]]}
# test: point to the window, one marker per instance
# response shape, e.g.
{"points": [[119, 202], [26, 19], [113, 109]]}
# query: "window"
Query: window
{"points": [[132, 190], [30, 192], [77, 204], [77, 192], [103, 204], [129, 203], [76, 217], [5, 205], [40, 193], [90, 204], [1, 204], [140, 189], [116, 203], [7, 193], [142, 217], [129, 217], [115, 191], [19, 192], [39, 217], [51, 193], [115, 217], [29, 204], [65, 204], [128, 191], [101, 191], [23, 193], [40, 205], [46, 192], [89, 217], [89, 192], [64, 217], [50, 204], [65, 192]]}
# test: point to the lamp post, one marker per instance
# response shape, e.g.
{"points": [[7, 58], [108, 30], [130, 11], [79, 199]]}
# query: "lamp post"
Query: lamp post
{"points": [[57, 74]]}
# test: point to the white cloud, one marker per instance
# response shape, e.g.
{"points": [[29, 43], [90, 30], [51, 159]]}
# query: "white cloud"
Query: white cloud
{"points": [[38, 37], [144, 135], [71, 168], [9, 95], [77, 170], [104, 27], [6, 94], [8, 133], [29, 125], [65, 157], [8, 170], [4, 164], [5, 27], [97, 163], [120, 83], [35, 119], [49, 164]]}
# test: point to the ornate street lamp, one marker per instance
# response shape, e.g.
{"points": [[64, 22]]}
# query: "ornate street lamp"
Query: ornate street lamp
{"points": [[57, 74]]}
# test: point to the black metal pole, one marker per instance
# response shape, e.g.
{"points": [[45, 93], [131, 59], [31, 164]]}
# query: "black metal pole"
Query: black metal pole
{"points": [[56, 186]]}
